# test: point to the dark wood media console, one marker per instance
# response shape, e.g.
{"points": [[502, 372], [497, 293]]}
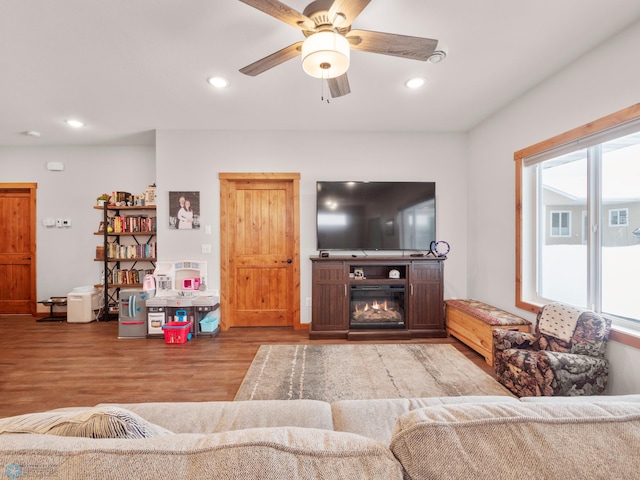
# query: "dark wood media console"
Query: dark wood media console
{"points": [[416, 296]]}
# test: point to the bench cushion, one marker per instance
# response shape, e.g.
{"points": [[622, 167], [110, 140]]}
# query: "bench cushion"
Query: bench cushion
{"points": [[487, 313]]}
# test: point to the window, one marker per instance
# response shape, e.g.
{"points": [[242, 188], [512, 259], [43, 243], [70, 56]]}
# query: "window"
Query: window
{"points": [[560, 224], [578, 197], [618, 217]]}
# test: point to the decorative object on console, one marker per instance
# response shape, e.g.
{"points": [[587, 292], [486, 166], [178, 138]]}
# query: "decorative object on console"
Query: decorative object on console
{"points": [[439, 248]]}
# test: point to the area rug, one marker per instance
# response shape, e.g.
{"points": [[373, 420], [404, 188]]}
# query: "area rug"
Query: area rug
{"points": [[363, 371]]}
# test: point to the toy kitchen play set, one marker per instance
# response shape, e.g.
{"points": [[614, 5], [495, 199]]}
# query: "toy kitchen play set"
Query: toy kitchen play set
{"points": [[181, 295]]}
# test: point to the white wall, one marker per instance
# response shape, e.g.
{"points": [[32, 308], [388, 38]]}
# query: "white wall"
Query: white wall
{"points": [[65, 255], [600, 83], [475, 182], [191, 160]]}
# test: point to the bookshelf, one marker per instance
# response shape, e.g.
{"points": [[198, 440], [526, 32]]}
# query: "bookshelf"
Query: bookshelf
{"points": [[128, 250]]}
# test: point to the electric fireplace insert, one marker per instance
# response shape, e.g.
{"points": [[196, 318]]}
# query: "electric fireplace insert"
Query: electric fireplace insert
{"points": [[377, 306]]}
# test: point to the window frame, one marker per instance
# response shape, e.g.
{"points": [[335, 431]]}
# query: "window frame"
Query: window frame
{"points": [[618, 210], [560, 213], [625, 335]]}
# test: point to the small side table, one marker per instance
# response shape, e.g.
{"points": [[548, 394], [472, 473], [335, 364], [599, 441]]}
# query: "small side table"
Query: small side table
{"points": [[54, 302]]}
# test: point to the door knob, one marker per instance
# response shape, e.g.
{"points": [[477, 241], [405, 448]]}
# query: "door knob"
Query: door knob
{"points": [[288, 260]]}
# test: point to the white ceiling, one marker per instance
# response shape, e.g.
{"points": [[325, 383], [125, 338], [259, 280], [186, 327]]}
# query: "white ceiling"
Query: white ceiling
{"points": [[129, 67]]}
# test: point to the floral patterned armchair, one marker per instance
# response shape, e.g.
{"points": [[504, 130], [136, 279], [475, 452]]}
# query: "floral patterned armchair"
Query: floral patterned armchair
{"points": [[564, 357]]}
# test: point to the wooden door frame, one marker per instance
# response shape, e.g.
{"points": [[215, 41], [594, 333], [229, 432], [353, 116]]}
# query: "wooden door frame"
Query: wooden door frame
{"points": [[31, 187], [226, 181]]}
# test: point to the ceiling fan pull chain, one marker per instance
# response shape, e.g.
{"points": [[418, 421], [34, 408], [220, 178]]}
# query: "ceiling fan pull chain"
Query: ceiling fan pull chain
{"points": [[322, 88]]}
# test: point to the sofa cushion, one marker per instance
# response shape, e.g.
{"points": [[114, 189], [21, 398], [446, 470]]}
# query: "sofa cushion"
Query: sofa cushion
{"points": [[632, 397], [264, 454], [97, 422], [376, 418], [520, 441], [213, 417]]}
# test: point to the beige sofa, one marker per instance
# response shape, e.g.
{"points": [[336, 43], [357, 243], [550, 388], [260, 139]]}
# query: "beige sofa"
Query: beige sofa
{"points": [[426, 438]]}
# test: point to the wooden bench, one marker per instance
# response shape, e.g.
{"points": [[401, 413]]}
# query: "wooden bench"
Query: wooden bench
{"points": [[472, 322]]}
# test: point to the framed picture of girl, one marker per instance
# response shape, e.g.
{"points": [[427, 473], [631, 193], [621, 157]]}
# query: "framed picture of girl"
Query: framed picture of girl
{"points": [[184, 210]]}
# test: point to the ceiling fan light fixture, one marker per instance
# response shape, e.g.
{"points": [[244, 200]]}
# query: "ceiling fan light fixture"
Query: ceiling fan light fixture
{"points": [[325, 55]]}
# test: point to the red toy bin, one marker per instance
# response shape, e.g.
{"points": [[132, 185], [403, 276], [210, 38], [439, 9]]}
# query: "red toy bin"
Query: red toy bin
{"points": [[176, 332]]}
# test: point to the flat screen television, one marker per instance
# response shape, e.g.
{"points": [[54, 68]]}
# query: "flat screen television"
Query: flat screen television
{"points": [[375, 215]]}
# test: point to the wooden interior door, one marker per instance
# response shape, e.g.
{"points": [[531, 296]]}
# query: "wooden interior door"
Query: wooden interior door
{"points": [[18, 248], [260, 250]]}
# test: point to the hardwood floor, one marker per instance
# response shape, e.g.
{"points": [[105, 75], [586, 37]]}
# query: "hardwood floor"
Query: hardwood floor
{"points": [[57, 364]]}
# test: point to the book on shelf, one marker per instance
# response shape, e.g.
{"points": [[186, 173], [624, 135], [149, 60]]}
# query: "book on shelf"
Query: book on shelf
{"points": [[145, 250], [131, 224], [128, 276]]}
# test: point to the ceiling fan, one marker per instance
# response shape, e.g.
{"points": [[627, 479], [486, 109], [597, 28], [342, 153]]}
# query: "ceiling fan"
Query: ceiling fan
{"points": [[325, 52]]}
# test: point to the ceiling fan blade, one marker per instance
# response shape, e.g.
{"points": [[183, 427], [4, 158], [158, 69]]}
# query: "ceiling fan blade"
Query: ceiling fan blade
{"points": [[339, 86], [349, 8], [273, 60], [282, 12], [416, 48]]}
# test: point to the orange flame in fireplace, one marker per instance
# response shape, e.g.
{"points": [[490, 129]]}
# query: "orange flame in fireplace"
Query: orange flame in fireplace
{"points": [[375, 306]]}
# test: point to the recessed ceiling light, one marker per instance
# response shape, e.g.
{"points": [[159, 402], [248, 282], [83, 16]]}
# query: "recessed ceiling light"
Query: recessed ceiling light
{"points": [[414, 83], [31, 133], [74, 123], [437, 56], [218, 82]]}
